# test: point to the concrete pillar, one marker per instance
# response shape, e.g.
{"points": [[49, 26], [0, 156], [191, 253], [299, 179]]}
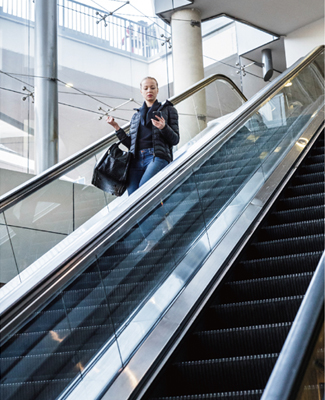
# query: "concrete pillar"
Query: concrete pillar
{"points": [[188, 69], [46, 87]]}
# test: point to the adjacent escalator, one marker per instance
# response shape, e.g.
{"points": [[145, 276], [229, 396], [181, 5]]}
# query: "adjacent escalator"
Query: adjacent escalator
{"points": [[233, 345]]}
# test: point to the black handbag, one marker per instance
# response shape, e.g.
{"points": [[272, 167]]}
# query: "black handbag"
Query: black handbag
{"points": [[111, 170]]}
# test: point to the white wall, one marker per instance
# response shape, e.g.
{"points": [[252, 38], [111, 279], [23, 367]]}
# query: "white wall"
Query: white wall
{"points": [[299, 43]]}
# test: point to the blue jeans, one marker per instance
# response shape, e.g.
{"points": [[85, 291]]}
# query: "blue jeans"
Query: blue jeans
{"points": [[143, 167]]}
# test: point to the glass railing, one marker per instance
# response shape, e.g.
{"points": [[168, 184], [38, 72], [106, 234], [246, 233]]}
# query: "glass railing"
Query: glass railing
{"points": [[165, 230], [48, 215]]}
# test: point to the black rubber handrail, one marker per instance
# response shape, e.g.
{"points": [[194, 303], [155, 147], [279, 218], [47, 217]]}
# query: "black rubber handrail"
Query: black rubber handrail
{"points": [[32, 185]]}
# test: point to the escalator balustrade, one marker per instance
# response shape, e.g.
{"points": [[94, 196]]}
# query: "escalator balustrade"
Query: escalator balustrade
{"points": [[54, 347]]}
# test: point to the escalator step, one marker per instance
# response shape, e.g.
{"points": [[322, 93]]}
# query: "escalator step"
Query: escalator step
{"points": [[266, 288], [288, 246], [302, 214], [34, 389], [48, 342], [255, 312], [304, 228], [305, 190], [221, 375], [315, 159], [242, 395], [273, 266], [308, 179], [251, 340], [301, 201], [59, 365], [312, 169]]}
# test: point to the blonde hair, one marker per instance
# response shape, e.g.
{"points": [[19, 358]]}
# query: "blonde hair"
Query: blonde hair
{"points": [[148, 77]]}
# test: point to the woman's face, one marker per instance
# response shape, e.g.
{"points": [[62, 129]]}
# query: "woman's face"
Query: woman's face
{"points": [[149, 90]]}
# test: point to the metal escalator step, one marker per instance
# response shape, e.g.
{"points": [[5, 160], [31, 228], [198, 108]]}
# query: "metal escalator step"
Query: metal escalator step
{"points": [[242, 341], [50, 341], [306, 189], [89, 316], [219, 158], [231, 150], [296, 245], [315, 159], [227, 165], [133, 274], [301, 202], [86, 297], [55, 343], [312, 168], [222, 183], [31, 390], [46, 319], [266, 288], [295, 215], [221, 375], [304, 228], [276, 266], [307, 179], [255, 312], [240, 395], [42, 367]]}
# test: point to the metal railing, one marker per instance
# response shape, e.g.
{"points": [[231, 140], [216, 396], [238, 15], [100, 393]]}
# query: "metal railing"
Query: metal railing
{"points": [[14, 196], [139, 38]]}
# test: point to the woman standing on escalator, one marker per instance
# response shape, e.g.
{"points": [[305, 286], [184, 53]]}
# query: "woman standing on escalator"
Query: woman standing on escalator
{"points": [[153, 133]]}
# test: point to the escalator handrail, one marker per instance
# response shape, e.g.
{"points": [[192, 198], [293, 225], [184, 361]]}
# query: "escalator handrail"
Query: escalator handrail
{"points": [[71, 261], [283, 379], [27, 188]]}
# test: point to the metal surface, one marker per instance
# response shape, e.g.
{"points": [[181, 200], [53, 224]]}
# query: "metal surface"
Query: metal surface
{"points": [[284, 375], [27, 188], [74, 257], [267, 64], [46, 85], [166, 335]]}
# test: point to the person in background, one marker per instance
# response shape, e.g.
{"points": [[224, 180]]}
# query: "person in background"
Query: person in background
{"points": [[153, 132]]}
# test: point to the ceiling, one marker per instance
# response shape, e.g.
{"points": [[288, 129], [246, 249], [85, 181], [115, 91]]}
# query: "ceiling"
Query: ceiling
{"points": [[278, 17]]}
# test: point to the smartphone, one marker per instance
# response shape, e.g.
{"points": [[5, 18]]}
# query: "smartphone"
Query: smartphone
{"points": [[155, 113]]}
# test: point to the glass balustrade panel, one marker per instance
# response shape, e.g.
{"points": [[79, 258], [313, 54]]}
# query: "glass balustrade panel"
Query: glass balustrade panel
{"points": [[39, 222], [290, 110]]}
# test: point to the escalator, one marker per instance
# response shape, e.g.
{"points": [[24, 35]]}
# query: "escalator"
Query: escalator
{"points": [[99, 295], [234, 344]]}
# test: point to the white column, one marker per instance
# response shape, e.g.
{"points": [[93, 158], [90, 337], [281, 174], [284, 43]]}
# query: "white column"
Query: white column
{"points": [[46, 88], [188, 69]]}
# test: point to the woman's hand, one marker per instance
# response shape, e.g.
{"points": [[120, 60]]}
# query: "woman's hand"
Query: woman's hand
{"points": [[160, 123], [110, 120]]}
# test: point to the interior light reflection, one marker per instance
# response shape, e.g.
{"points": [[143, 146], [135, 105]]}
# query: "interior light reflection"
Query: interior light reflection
{"points": [[133, 379], [302, 142]]}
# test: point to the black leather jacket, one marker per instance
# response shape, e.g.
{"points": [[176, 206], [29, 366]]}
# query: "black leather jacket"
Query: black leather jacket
{"points": [[163, 139]]}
